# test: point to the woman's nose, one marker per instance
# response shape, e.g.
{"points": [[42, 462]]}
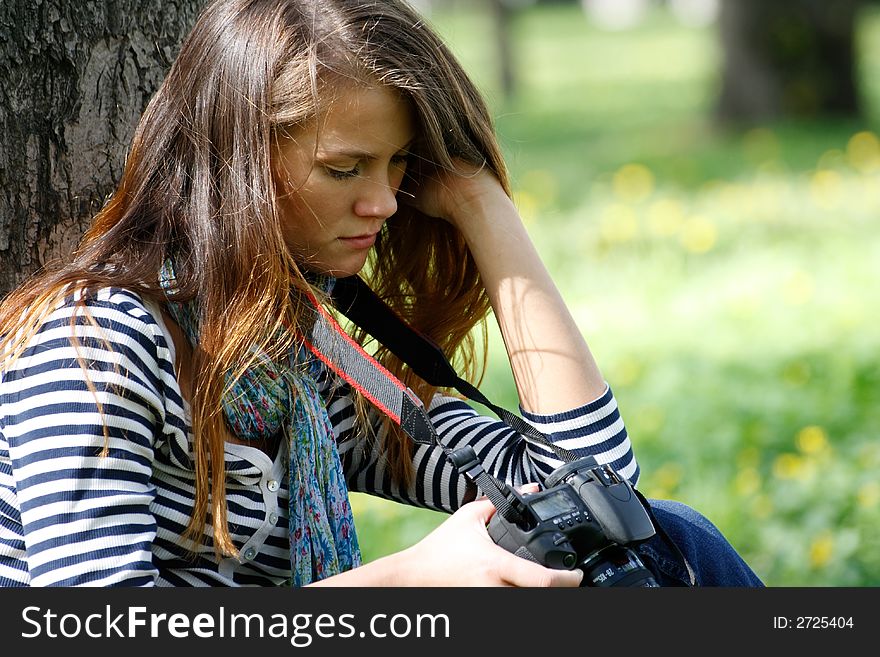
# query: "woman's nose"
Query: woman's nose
{"points": [[378, 199]]}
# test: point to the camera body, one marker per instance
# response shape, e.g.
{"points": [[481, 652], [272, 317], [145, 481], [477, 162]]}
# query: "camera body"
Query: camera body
{"points": [[586, 516]]}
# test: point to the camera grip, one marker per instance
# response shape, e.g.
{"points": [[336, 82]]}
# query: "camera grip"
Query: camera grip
{"points": [[548, 548]]}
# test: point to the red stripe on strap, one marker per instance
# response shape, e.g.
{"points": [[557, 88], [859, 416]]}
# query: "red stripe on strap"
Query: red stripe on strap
{"points": [[387, 411], [360, 350], [345, 336]]}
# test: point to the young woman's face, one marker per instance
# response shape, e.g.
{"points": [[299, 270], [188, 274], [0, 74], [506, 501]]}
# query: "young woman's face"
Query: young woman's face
{"points": [[337, 182]]}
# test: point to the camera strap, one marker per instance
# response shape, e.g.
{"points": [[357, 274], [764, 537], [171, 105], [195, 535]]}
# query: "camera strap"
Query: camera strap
{"points": [[343, 355], [329, 342], [354, 299]]}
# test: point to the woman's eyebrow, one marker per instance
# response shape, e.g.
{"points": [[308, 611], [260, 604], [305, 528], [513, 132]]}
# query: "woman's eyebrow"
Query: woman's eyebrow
{"points": [[357, 154]]}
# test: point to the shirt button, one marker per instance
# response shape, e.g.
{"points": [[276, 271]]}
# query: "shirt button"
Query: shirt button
{"points": [[272, 485], [273, 518], [250, 553]]}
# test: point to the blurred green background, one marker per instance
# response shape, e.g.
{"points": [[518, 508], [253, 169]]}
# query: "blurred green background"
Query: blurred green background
{"points": [[725, 278]]}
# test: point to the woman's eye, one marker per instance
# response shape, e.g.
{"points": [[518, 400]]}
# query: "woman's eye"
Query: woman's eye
{"points": [[342, 174]]}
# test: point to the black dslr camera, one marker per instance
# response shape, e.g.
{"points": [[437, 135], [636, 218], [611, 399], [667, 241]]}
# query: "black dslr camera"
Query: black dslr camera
{"points": [[585, 517]]}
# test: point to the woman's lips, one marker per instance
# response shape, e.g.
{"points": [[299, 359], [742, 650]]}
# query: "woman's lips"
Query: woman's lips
{"points": [[360, 241]]}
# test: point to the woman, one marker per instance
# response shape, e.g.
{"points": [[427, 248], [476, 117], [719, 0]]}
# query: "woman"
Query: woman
{"points": [[162, 423]]}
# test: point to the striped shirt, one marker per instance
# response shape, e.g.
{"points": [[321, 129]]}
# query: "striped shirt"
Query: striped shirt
{"points": [[70, 516]]}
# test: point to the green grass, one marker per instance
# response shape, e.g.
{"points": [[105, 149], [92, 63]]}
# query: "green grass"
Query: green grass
{"points": [[725, 280]]}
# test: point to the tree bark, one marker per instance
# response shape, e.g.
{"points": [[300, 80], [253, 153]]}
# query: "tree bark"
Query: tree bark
{"points": [[76, 77], [788, 59]]}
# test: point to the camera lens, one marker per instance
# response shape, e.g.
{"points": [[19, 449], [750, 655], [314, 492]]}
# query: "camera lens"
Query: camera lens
{"points": [[616, 566]]}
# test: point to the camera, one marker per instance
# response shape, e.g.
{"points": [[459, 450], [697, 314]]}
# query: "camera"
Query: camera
{"points": [[587, 516]]}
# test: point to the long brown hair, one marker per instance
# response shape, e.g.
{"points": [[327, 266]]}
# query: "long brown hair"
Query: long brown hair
{"points": [[197, 189]]}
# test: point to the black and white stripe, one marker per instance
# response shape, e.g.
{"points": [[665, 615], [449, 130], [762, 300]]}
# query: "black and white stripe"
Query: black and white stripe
{"points": [[71, 517]]}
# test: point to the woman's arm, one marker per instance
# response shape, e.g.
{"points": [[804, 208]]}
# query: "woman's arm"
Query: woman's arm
{"points": [[457, 553], [552, 365], [84, 518], [594, 429]]}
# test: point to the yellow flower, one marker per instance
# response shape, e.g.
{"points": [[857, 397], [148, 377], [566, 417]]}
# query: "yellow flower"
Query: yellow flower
{"points": [[788, 466], [821, 549], [863, 152], [699, 235], [868, 495], [633, 183], [826, 189], [812, 439], [665, 217]]}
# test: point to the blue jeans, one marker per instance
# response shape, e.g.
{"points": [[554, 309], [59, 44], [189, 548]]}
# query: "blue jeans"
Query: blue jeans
{"points": [[712, 558]]}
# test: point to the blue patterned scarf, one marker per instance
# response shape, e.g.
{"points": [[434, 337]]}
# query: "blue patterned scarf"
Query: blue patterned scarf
{"points": [[272, 399]]}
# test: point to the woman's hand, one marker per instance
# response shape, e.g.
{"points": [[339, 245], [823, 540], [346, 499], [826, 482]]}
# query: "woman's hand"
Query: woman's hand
{"points": [[456, 196], [460, 553]]}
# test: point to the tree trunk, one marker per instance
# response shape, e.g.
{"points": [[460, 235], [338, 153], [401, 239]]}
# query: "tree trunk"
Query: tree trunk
{"points": [[76, 77], [502, 15], [788, 59]]}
